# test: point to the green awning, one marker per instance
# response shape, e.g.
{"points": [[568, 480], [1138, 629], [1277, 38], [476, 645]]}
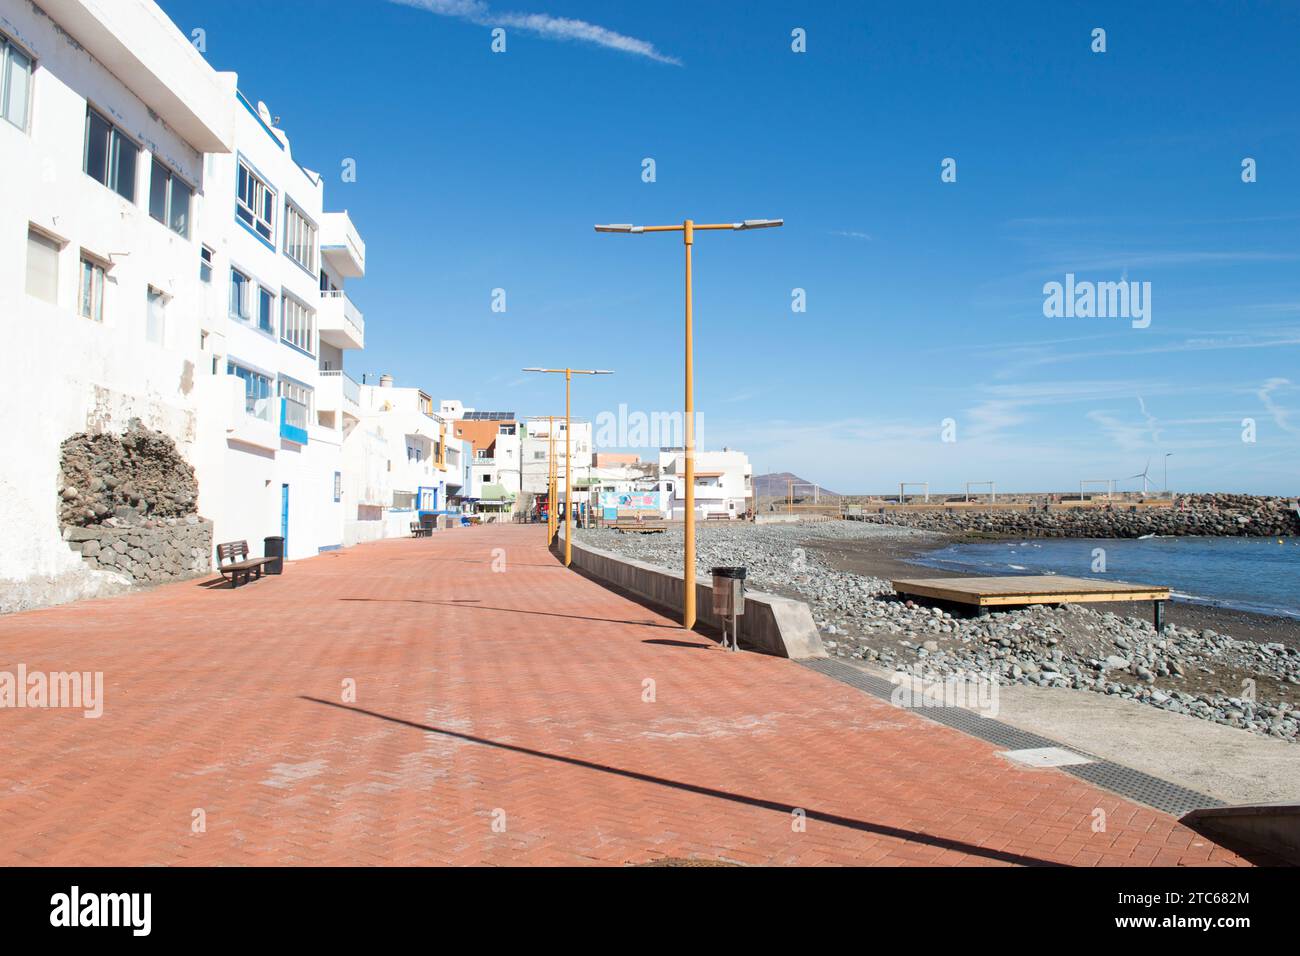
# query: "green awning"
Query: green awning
{"points": [[494, 492]]}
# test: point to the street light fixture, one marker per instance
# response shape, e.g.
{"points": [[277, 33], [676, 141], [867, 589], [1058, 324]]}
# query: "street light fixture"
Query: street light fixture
{"points": [[687, 229], [568, 374]]}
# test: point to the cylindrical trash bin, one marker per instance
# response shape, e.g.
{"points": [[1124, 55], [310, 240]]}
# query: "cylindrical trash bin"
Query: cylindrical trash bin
{"points": [[273, 547], [729, 603], [728, 592]]}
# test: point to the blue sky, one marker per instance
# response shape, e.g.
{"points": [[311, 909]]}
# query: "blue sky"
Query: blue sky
{"points": [[479, 170]]}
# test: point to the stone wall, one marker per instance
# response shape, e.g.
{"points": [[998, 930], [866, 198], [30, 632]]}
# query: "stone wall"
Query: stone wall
{"points": [[150, 552], [127, 505], [1211, 515]]}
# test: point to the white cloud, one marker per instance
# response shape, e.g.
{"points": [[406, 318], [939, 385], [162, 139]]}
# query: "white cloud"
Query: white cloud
{"points": [[543, 25], [1281, 416]]}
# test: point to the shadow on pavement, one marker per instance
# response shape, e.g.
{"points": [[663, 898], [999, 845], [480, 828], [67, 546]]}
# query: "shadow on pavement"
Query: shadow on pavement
{"points": [[783, 808]]}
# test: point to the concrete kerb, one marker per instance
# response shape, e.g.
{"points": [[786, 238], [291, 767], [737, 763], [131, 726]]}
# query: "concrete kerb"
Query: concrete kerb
{"points": [[773, 625], [1272, 827]]}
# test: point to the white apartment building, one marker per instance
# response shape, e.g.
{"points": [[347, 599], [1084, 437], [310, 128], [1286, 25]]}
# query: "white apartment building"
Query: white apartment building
{"points": [[276, 323], [723, 483], [106, 112], [401, 464], [494, 441], [536, 450]]}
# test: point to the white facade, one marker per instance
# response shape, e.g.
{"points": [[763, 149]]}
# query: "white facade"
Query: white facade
{"points": [[399, 461], [535, 452], [277, 322], [723, 483], [99, 301]]}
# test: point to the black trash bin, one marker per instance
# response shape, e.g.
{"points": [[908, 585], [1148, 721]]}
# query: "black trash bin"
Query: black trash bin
{"points": [[273, 547]]}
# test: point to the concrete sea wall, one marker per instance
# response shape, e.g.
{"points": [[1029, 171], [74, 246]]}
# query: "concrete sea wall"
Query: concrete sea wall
{"points": [[770, 625]]}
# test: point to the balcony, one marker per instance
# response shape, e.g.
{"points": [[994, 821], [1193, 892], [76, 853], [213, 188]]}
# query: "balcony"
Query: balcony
{"points": [[338, 392], [340, 323], [293, 421], [341, 245], [247, 420]]}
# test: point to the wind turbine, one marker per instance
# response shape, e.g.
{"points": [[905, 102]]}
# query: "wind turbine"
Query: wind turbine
{"points": [[1144, 474]]}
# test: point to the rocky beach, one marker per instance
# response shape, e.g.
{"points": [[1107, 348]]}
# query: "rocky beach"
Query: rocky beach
{"points": [[1235, 669]]}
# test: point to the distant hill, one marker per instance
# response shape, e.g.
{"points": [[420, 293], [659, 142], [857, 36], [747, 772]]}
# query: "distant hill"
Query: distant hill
{"points": [[776, 485]]}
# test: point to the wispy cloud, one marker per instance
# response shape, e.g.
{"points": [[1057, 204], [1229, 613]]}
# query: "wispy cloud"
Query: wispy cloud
{"points": [[1281, 416], [1152, 423], [850, 234], [543, 25]]}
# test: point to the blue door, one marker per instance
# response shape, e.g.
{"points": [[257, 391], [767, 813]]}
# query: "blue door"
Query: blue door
{"points": [[284, 517]]}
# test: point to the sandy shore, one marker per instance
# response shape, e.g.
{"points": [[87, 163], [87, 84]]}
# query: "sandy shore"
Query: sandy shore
{"points": [[888, 558]]}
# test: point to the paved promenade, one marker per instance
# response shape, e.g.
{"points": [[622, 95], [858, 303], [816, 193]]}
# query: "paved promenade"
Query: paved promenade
{"points": [[500, 717]]}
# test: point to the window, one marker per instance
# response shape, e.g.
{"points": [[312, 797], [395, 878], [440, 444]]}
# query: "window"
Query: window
{"points": [[15, 83], [298, 325], [299, 237], [155, 322], [42, 266], [205, 264], [338, 486], [265, 309], [255, 203], [239, 284], [90, 301], [169, 200], [257, 391], [110, 155]]}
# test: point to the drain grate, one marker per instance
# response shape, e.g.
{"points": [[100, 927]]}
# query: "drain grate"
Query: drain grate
{"points": [[1125, 781]]}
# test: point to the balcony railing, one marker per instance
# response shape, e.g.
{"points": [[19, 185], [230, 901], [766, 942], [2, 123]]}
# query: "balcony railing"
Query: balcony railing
{"points": [[293, 421], [351, 390], [340, 322]]}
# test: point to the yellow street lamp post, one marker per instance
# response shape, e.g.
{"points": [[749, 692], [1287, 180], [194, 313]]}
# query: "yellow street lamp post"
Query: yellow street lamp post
{"points": [[550, 480], [688, 229], [568, 460]]}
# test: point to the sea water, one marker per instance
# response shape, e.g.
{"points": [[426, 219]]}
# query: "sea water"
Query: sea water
{"points": [[1249, 574]]}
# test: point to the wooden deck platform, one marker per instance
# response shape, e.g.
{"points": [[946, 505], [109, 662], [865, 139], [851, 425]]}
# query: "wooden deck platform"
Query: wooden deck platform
{"points": [[985, 593]]}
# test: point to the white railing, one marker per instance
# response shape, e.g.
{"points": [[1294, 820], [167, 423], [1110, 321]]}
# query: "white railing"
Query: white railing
{"points": [[295, 413], [351, 390], [350, 311]]}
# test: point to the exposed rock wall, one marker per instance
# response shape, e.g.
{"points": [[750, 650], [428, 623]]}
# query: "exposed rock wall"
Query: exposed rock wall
{"points": [[1212, 515], [155, 550], [127, 504], [138, 473]]}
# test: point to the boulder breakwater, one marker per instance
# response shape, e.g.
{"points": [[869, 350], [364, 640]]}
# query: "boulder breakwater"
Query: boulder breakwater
{"points": [[1218, 515]]}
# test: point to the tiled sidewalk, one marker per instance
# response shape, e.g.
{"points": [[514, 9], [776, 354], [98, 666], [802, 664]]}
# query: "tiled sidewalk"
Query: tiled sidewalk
{"points": [[500, 717]]}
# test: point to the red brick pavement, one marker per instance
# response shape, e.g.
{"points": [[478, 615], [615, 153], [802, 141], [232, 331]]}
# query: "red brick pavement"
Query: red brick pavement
{"points": [[499, 719]]}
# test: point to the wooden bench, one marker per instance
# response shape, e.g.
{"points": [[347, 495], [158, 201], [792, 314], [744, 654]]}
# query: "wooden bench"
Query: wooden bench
{"points": [[631, 519], [421, 530], [235, 565]]}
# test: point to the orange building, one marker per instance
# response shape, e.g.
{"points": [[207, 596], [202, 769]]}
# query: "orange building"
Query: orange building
{"points": [[605, 459]]}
